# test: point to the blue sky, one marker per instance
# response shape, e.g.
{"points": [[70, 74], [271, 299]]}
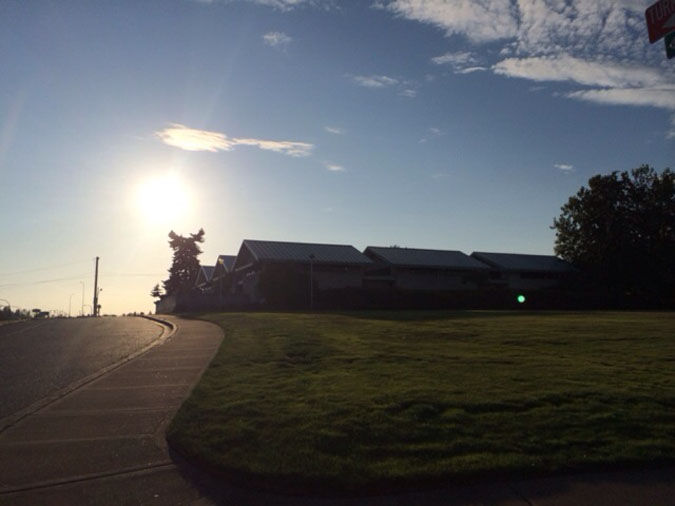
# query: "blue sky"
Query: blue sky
{"points": [[423, 123]]}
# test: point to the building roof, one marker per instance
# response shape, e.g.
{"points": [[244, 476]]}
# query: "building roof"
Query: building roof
{"points": [[204, 275], [207, 270], [522, 262], [227, 261], [424, 258], [297, 252]]}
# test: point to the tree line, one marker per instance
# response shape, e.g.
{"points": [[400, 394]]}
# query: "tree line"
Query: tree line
{"points": [[619, 231]]}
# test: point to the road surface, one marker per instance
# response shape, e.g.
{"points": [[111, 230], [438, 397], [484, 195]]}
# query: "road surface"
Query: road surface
{"points": [[40, 357]]}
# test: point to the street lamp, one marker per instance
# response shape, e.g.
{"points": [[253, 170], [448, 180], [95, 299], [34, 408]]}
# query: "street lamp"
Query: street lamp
{"points": [[97, 309], [82, 309], [221, 261], [70, 299]]}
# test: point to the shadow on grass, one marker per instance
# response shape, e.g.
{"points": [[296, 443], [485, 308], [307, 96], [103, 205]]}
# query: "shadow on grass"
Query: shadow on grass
{"points": [[505, 487], [440, 315]]}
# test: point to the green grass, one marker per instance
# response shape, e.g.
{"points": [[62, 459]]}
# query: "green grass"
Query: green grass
{"points": [[369, 400]]}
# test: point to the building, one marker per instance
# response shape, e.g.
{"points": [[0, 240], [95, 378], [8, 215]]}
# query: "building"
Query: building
{"points": [[203, 280], [224, 265], [220, 281], [291, 273], [424, 269], [525, 272]]}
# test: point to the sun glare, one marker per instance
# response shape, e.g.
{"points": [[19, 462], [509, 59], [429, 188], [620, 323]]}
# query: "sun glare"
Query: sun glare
{"points": [[162, 199]]}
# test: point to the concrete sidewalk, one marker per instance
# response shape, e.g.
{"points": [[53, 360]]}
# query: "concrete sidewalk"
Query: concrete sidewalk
{"points": [[103, 444]]}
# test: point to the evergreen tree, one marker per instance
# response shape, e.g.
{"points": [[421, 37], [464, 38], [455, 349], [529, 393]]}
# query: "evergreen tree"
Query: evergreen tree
{"points": [[185, 264], [156, 291]]}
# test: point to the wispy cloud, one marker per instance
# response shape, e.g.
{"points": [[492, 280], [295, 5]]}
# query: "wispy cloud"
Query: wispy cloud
{"points": [[192, 139], [334, 167], [462, 62], [290, 148], [375, 81], [277, 39], [582, 71], [662, 98], [433, 133], [404, 88], [564, 167], [287, 5], [334, 130], [282, 5], [600, 46], [480, 21]]}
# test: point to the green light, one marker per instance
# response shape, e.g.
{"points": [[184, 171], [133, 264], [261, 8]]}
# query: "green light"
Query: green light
{"points": [[520, 299]]}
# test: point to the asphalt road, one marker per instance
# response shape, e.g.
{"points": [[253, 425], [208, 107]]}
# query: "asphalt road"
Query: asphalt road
{"points": [[40, 357]]}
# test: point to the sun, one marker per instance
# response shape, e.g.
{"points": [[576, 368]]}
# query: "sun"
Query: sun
{"points": [[162, 199]]}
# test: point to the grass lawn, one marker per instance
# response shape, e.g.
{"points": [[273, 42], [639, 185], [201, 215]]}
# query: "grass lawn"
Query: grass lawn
{"points": [[357, 401]]}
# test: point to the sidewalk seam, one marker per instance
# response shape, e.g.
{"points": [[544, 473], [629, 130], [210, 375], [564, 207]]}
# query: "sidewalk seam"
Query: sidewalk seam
{"points": [[87, 477]]}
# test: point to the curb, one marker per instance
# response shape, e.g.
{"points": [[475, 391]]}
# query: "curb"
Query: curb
{"points": [[14, 418]]}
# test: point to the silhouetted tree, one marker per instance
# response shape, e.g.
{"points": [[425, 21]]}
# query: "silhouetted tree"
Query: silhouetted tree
{"points": [[156, 291], [621, 231], [6, 313], [185, 264]]}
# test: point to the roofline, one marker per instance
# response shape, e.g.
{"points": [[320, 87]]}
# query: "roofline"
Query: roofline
{"points": [[299, 242], [257, 259], [418, 249], [520, 254], [494, 265], [427, 266]]}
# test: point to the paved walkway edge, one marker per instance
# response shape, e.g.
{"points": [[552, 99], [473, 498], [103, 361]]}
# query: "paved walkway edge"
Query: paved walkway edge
{"points": [[168, 330]]}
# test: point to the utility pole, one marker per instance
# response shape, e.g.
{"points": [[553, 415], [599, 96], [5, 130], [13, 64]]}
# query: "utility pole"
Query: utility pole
{"points": [[94, 309], [82, 309]]}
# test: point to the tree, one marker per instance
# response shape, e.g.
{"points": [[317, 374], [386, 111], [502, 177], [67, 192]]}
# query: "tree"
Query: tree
{"points": [[621, 232], [185, 264], [156, 291], [6, 313]]}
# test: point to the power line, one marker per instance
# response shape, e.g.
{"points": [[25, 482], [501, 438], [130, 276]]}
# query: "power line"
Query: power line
{"points": [[43, 268], [43, 281], [112, 275], [130, 275]]}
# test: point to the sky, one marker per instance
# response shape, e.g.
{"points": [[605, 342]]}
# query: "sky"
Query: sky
{"points": [[458, 124]]}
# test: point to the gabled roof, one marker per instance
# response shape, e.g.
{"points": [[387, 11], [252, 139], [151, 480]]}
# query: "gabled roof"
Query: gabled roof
{"points": [[424, 258], [208, 271], [204, 275], [522, 262], [298, 252], [227, 261]]}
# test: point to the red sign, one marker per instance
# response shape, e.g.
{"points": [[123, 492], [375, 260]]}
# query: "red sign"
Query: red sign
{"points": [[660, 19]]}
